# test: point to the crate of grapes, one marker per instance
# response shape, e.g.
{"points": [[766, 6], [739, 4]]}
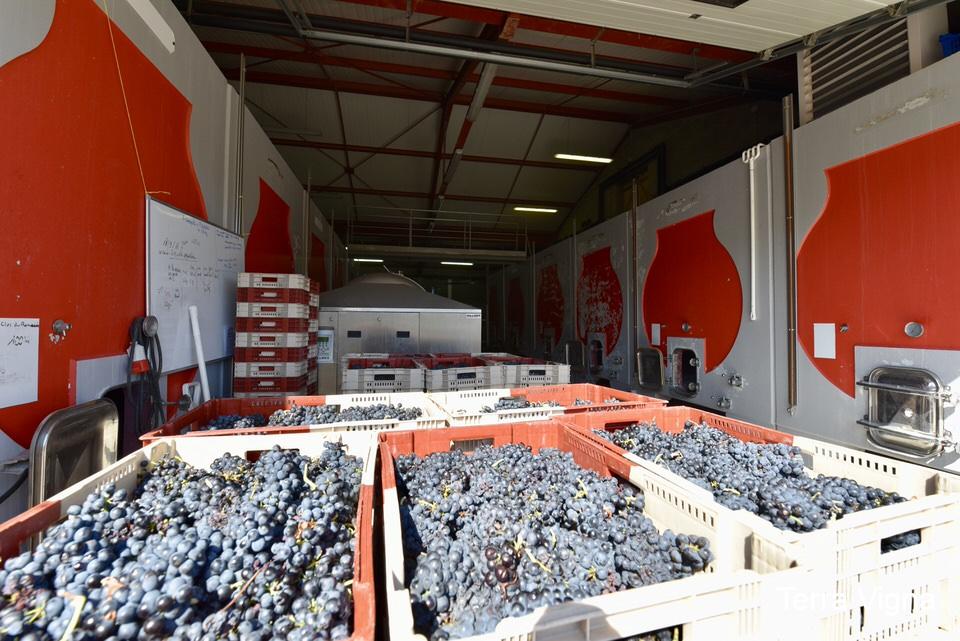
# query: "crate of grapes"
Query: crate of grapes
{"points": [[389, 374], [888, 531], [492, 406], [281, 414], [519, 371], [454, 373], [158, 524], [531, 531], [586, 397]]}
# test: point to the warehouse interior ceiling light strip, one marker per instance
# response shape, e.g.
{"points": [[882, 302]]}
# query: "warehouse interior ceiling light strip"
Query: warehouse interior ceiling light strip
{"points": [[368, 260], [579, 158], [456, 263], [536, 210]]}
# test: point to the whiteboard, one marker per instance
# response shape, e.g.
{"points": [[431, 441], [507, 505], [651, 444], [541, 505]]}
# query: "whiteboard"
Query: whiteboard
{"points": [[191, 262]]}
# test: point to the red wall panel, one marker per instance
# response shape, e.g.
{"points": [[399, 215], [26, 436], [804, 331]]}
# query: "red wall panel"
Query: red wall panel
{"points": [[72, 194], [268, 247], [318, 262], [550, 305], [693, 280], [599, 299], [883, 253]]}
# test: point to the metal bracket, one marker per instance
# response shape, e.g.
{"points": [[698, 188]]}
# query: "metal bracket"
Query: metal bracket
{"points": [[810, 40], [898, 10], [945, 443], [946, 395]]}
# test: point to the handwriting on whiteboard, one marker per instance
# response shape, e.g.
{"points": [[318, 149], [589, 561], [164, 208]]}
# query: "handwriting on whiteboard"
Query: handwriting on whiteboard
{"points": [[19, 360]]}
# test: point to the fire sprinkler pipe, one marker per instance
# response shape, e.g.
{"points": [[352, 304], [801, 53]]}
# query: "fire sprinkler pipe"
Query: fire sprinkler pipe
{"points": [[792, 391]]}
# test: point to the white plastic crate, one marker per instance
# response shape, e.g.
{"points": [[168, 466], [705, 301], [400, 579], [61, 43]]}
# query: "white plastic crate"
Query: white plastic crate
{"points": [[270, 370], [463, 408], [462, 378], [201, 452], [872, 595], [273, 281], [268, 339], [431, 417], [273, 310], [727, 602], [382, 380], [400, 374], [268, 394]]}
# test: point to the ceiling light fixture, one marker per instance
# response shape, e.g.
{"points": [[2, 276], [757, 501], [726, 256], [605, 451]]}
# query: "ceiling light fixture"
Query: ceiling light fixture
{"points": [[594, 159], [453, 262], [536, 210], [368, 260]]}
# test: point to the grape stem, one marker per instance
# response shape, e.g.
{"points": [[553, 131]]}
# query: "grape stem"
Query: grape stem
{"points": [[78, 602]]}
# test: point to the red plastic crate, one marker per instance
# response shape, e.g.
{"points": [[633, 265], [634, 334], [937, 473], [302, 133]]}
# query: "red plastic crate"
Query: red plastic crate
{"points": [[278, 325], [275, 385], [270, 295], [450, 362], [512, 360], [567, 395], [269, 354], [384, 363], [671, 420], [539, 435]]}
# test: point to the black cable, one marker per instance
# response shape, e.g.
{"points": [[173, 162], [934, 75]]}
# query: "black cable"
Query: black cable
{"points": [[150, 380], [16, 485]]}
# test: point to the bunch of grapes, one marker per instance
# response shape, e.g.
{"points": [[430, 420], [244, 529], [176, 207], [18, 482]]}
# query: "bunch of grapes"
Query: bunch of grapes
{"points": [[504, 531], [325, 414], [769, 480], [515, 403], [251, 551], [235, 422]]}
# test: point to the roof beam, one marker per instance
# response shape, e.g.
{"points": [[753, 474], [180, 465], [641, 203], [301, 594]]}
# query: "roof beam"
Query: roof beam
{"points": [[575, 30], [418, 153], [404, 93], [425, 196], [433, 72]]}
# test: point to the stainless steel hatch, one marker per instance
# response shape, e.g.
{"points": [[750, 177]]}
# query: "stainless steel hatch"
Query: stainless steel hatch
{"points": [[650, 368], [686, 372], [70, 445], [905, 410]]}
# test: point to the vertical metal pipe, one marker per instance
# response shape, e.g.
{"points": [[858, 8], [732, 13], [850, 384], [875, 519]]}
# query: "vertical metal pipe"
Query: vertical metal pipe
{"points": [[307, 231], [241, 116], [792, 391], [533, 282], [634, 267]]}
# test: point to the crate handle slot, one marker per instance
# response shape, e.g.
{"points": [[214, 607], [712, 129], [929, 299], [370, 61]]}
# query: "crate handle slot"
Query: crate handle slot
{"points": [[466, 376], [384, 377]]}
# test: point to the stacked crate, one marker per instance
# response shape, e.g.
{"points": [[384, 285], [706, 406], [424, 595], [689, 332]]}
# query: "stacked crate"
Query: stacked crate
{"points": [[273, 337], [314, 329]]}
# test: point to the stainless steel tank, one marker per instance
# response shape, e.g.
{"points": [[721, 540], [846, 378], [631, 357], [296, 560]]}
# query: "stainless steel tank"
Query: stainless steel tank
{"points": [[389, 313]]}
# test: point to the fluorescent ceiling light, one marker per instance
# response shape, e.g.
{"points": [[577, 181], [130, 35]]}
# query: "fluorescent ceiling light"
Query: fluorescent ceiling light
{"points": [[453, 262], [596, 159], [536, 210], [368, 260]]}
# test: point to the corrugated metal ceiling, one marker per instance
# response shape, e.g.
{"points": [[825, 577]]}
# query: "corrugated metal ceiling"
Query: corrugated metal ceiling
{"points": [[753, 26]]}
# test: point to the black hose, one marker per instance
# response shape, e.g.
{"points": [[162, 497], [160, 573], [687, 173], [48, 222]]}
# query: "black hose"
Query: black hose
{"points": [[16, 485]]}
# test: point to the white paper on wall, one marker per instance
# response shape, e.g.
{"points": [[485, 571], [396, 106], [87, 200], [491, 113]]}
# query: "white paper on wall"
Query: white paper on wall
{"points": [[825, 340], [655, 333], [19, 360]]}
